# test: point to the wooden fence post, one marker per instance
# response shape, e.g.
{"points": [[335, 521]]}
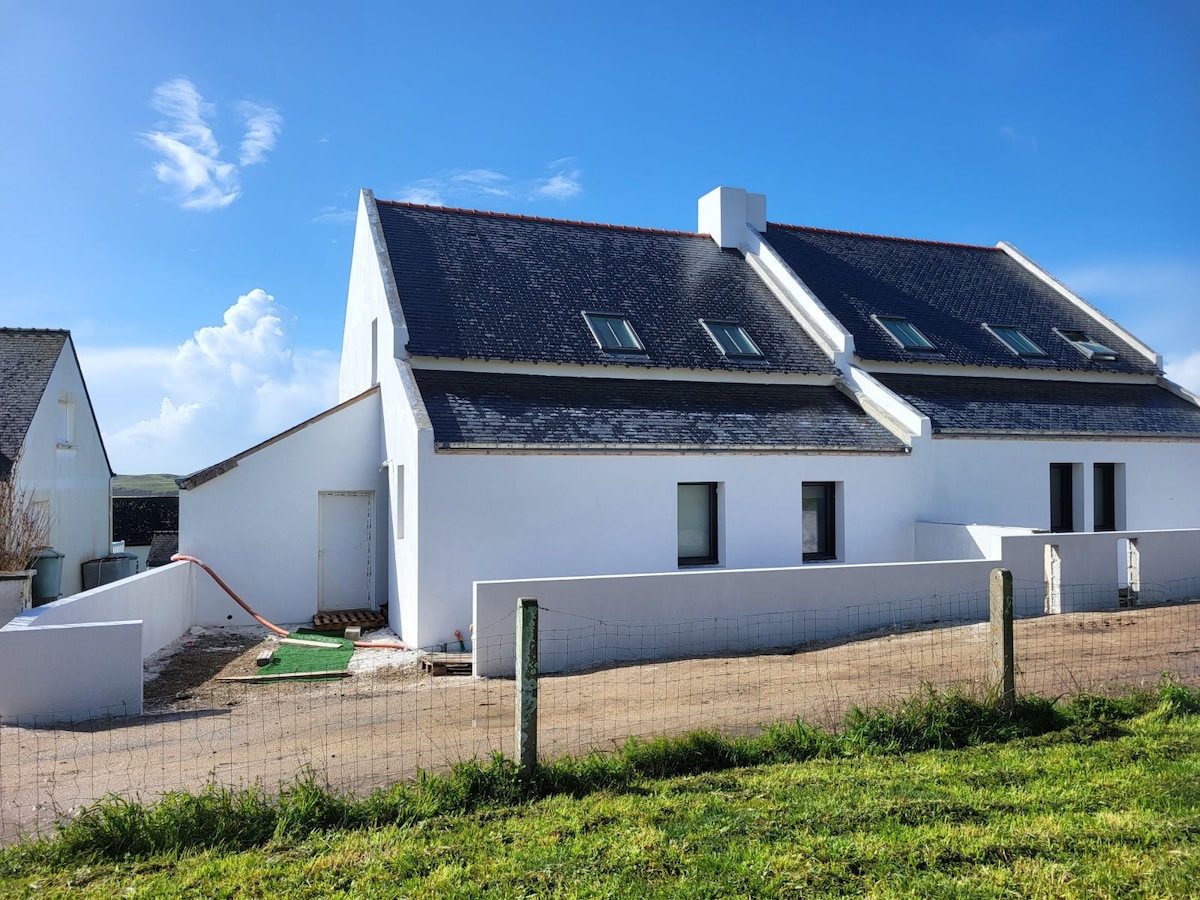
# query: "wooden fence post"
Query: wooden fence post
{"points": [[1000, 601], [527, 684]]}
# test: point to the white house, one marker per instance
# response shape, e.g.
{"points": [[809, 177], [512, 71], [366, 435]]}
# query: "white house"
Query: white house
{"points": [[48, 425], [525, 397]]}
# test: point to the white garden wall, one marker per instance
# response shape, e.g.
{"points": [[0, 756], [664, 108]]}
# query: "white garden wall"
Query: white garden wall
{"points": [[942, 540], [81, 657]]}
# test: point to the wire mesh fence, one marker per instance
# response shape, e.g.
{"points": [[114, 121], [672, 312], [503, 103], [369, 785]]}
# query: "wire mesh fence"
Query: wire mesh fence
{"points": [[387, 722]]}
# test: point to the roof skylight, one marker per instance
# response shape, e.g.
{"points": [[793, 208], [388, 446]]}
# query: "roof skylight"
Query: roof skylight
{"points": [[732, 339], [904, 333], [1085, 345], [613, 333], [1015, 340]]}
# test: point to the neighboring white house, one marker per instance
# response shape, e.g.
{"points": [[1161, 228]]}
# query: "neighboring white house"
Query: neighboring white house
{"points": [[527, 398], [48, 425]]}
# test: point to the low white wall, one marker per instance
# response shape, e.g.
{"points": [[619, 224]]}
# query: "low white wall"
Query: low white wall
{"points": [[1091, 567], [773, 607], [81, 657], [946, 540], [162, 599], [55, 673]]}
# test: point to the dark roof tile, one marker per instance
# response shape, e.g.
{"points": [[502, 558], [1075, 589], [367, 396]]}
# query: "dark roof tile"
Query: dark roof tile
{"points": [[27, 358]]}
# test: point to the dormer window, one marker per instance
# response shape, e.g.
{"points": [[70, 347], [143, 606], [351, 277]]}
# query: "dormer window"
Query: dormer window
{"points": [[1015, 340], [613, 333], [732, 339], [1085, 345], [904, 333]]}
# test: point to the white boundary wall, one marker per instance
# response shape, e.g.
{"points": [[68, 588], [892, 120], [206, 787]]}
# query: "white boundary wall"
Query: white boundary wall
{"points": [[814, 601], [82, 656]]}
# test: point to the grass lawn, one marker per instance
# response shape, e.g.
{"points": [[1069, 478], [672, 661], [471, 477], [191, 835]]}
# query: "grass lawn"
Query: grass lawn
{"points": [[1105, 803]]}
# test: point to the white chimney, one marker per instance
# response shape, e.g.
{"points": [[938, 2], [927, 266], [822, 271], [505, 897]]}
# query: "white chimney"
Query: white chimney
{"points": [[725, 212]]}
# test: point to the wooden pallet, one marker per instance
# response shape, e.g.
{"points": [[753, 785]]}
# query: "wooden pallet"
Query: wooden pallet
{"points": [[447, 663], [346, 618]]}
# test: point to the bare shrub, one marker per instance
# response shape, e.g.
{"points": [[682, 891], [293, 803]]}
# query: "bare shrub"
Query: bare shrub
{"points": [[24, 524]]}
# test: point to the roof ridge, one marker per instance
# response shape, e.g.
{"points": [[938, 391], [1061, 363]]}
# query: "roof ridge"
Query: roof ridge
{"points": [[35, 330], [881, 237], [521, 217]]}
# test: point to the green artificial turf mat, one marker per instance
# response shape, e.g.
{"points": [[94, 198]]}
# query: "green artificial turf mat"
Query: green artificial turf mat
{"points": [[289, 659]]}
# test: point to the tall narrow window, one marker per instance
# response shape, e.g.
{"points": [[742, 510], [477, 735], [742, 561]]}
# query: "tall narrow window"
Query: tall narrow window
{"points": [[818, 525], [1104, 496], [1062, 497], [374, 352], [697, 523], [65, 425]]}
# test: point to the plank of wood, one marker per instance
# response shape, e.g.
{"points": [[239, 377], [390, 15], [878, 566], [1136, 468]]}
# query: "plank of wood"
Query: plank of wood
{"points": [[287, 676], [321, 645], [264, 658]]}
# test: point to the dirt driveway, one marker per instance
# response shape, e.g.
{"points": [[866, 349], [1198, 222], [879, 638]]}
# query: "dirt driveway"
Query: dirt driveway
{"points": [[389, 719]]}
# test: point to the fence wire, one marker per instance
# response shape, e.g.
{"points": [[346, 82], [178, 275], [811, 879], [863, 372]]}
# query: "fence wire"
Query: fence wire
{"points": [[732, 674]]}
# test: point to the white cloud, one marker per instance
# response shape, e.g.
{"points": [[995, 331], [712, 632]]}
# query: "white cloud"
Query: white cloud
{"points": [[263, 125], [1185, 371], [561, 186], [223, 390], [468, 187], [191, 160]]}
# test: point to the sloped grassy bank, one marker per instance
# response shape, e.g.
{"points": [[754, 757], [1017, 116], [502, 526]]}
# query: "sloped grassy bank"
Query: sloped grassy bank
{"points": [[943, 795]]}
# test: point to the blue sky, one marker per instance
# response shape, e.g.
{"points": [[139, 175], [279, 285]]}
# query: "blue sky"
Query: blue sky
{"points": [[179, 180]]}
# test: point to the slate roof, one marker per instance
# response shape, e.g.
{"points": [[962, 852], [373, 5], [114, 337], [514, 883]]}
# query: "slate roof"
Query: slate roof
{"points": [[1019, 406], [947, 291], [27, 358], [545, 412], [504, 287]]}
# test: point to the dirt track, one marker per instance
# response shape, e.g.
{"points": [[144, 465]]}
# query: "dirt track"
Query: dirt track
{"points": [[383, 725]]}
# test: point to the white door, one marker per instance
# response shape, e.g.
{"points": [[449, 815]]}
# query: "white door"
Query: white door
{"points": [[345, 553]]}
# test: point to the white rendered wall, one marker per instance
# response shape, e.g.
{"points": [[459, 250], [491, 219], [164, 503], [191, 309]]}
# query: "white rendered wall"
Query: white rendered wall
{"points": [[70, 672], [795, 605], [257, 524], [161, 599], [76, 479], [486, 517], [1007, 482], [940, 540]]}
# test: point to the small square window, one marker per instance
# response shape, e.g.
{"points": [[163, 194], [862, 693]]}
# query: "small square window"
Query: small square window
{"points": [[698, 523], [904, 333], [613, 333], [818, 523], [1015, 340], [732, 339], [1085, 345]]}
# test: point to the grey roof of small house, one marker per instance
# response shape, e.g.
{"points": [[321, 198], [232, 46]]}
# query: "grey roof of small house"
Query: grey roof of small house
{"points": [[544, 412], [27, 358], [1020, 406], [948, 291], [477, 285]]}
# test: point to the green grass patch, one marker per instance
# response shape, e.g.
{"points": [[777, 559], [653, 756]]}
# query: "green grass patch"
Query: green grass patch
{"points": [[941, 796], [290, 659]]}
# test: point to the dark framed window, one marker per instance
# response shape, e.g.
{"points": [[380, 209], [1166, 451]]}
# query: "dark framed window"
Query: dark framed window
{"points": [[732, 339], [698, 523], [613, 333], [1062, 497], [1104, 496], [819, 522], [904, 333], [1015, 340], [1085, 345]]}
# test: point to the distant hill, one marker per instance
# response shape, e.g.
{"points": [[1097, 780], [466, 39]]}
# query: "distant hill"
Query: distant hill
{"points": [[144, 486]]}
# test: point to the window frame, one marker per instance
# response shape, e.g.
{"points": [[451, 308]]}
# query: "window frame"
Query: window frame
{"points": [[590, 315], [1104, 475], [882, 322], [714, 557], [725, 351], [827, 531], [1085, 344], [1063, 499], [996, 332]]}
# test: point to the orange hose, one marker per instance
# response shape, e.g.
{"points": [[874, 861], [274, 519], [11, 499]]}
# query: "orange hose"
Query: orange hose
{"points": [[181, 557]]}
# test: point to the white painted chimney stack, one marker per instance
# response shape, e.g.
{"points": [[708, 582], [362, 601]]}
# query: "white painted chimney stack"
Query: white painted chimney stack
{"points": [[725, 212]]}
